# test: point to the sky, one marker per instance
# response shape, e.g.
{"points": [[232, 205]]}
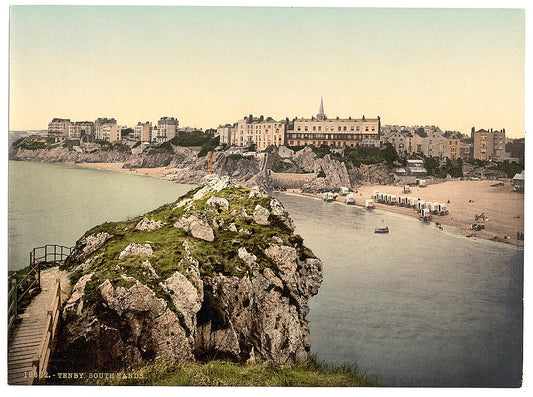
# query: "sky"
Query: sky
{"points": [[455, 68]]}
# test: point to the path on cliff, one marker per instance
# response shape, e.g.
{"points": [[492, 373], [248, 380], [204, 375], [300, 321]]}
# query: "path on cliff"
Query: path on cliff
{"points": [[25, 338]]}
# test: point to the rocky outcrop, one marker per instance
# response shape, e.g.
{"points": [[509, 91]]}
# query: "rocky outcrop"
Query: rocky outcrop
{"points": [[136, 249], [149, 224], [150, 160], [88, 245], [374, 174], [314, 174], [222, 275], [63, 155], [261, 215]]}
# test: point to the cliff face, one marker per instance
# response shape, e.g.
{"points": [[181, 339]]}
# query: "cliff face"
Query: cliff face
{"points": [[219, 273], [242, 170], [317, 173], [62, 155]]}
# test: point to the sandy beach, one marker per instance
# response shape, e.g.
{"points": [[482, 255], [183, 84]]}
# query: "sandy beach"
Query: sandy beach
{"points": [[503, 208], [158, 172]]}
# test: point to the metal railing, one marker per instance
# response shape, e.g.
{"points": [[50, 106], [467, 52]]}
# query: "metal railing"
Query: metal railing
{"points": [[19, 288]]}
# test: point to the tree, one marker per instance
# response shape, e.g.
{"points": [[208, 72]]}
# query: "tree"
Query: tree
{"points": [[390, 154], [125, 132]]}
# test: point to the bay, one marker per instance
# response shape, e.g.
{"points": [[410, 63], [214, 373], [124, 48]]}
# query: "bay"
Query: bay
{"points": [[57, 203], [416, 307]]}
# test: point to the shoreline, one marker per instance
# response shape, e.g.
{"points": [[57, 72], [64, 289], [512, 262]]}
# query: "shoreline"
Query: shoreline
{"points": [[465, 199], [156, 172], [503, 207]]}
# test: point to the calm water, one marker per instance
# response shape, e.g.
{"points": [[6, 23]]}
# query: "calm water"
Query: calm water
{"points": [[57, 204], [417, 306]]}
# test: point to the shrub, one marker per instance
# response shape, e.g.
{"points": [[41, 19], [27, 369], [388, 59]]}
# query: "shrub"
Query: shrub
{"points": [[209, 146]]}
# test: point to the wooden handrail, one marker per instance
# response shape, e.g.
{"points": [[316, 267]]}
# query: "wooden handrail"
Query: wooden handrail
{"points": [[35, 271], [42, 358], [13, 302]]}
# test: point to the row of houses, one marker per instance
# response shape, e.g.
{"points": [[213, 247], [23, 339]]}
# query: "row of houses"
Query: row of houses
{"points": [[107, 129], [486, 145], [430, 141], [316, 131], [319, 130]]}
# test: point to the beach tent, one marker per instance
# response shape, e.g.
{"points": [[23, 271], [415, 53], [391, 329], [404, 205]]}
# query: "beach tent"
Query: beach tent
{"points": [[519, 182], [369, 204], [350, 199]]}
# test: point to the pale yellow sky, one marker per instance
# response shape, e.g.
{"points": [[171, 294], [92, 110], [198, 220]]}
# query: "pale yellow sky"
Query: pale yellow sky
{"points": [[455, 68]]}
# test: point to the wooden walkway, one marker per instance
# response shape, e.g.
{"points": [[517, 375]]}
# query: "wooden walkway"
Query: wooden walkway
{"points": [[28, 331]]}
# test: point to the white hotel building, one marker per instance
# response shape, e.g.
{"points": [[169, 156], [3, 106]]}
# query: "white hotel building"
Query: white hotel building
{"points": [[336, 132]]}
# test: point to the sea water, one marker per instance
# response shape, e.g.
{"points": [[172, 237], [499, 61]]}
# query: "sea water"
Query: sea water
{"points": [[418, 306], [57, 204]]}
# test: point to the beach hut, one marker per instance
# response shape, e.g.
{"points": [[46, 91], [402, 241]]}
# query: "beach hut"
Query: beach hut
{"points": [[412, 202], [406, 189], [425, 214], [350, 199], [393, 200], [328, 196], [375, 194], [403, 201], [422, 183], [519, 182], [369, 204], [443, 210], [344, 191]]}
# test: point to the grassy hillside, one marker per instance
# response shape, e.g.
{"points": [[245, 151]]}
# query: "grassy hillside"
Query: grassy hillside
{"points": [[221, 373]]}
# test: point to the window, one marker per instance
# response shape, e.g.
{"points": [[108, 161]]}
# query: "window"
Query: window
{"points": [[320, 128]]}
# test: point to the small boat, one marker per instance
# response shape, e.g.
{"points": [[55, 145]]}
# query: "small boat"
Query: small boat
{"points": [[381, 229]]}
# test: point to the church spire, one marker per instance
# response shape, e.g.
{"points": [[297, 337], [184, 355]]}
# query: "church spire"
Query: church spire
{"points": [[321, 115]]}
